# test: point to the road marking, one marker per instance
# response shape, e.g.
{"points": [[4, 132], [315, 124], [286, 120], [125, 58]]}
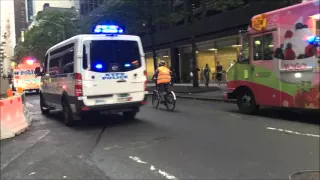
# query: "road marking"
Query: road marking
{"points": [[23, 151], [138, 160], [29, 105], [293, 132], [111, 147], [152, 168]]}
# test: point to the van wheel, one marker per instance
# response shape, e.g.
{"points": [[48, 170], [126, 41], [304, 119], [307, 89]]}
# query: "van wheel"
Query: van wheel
{"points": [[247, 103], [44, 109], [129, 115], [67, 114]]}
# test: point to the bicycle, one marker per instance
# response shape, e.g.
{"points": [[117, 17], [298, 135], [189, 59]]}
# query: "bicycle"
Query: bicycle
{"points": [[170, 100]]}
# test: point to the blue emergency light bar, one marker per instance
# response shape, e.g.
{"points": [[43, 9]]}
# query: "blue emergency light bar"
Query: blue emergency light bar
{"points": [[107, 29], [313, 39]]}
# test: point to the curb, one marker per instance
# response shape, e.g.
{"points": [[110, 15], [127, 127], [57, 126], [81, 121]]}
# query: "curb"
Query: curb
{"points": [[203, 99]]}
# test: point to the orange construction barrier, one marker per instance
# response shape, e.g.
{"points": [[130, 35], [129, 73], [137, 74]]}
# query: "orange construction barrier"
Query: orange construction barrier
{"points": [[20, 90], [12, 118], [9, 92]]}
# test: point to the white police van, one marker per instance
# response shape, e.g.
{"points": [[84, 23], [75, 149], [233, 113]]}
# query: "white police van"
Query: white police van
{"points": [[94, 73]]}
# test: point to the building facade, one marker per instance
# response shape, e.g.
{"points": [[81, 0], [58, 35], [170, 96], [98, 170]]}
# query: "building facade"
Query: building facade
{"points": [[20, 18], [213, 30]]}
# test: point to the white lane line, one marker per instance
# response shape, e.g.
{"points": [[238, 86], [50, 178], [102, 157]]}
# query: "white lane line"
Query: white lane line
{"points": [[138, 160], [152, 168], [293, 132], [21, 152], [29, 105]]}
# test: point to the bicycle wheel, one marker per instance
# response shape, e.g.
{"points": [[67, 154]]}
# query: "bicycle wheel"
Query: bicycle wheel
{"points": [[171, 101], [155, 99]]}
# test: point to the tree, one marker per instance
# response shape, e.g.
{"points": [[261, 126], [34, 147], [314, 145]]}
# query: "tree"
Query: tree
{"points": [[52, 27]]}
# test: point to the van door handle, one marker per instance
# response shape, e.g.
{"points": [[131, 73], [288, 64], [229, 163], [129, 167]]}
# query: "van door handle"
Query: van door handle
{"points": [[120, 81]]}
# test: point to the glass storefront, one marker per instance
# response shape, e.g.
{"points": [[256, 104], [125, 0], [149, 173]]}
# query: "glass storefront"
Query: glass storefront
{"points": [[219, 50], [226, 52], [206, 54], [163, 55], [149, 65]]}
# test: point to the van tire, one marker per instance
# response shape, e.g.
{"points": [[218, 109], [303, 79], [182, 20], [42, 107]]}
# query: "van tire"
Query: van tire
{"points": [[249, 107], [44, 109], [129, 115], [67, 114]]}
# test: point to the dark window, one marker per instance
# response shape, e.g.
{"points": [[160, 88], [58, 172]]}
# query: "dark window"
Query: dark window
{"points": [[114, 56], [263, 47], [54, 66], [67, 62], [84, 58], [318, 24], [64, 48]]}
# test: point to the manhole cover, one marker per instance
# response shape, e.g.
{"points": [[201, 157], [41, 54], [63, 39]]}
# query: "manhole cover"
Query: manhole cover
{"points": [[306, 175]]}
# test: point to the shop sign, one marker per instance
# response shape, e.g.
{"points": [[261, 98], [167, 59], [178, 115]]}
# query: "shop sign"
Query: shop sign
{"points": [[259, 22], [296, 66]]}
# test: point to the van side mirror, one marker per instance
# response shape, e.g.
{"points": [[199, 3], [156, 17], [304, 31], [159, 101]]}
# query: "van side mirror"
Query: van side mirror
{"points": [[37, 71]]}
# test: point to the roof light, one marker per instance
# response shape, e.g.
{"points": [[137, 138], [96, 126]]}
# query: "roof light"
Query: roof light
{"points": [[98, 66], [127, 65], [108, 29], [29, 61], [315, 17]]}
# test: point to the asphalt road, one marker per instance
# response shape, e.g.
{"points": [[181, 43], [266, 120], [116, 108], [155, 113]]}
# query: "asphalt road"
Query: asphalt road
{"points": [[201, 140]]}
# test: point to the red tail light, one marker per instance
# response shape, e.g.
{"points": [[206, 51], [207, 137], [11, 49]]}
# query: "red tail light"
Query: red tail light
{"points": [[78, 85], [145, 73]]}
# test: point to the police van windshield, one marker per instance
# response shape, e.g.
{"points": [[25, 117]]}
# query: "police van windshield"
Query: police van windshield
{"points": [[114, 56]]}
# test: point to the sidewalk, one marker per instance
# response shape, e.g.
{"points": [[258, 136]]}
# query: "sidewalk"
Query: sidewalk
{"points": [[212, 93]]}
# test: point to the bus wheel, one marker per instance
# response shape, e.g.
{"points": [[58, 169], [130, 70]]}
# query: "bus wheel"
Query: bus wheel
{"points": [[246, 102]]}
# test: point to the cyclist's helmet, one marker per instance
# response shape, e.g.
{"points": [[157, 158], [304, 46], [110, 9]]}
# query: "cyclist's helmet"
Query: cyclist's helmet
{"points": [[162, 63]]}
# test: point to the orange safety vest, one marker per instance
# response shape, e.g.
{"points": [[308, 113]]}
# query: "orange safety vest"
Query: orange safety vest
{"points": [[163, 75]]}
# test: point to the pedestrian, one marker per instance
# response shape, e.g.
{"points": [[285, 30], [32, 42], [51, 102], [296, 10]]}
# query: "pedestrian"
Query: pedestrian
{"points": [[206, 73], [219, 72]]}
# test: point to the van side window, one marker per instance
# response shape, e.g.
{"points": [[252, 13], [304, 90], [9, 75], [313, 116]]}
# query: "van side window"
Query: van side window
{"points": [[263, 47], [54, 67], [84, 58], [67, 62]]}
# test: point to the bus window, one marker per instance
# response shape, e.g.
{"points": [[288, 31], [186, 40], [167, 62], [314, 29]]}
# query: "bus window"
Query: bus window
{"points": [[263, 47]]}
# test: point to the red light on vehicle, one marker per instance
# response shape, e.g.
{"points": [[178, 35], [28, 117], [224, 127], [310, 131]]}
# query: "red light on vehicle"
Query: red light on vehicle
{"points": [[143, 102], [85, 109]]}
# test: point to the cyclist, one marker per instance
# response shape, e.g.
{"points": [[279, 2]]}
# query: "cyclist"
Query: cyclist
{"points": [[163, 76]]}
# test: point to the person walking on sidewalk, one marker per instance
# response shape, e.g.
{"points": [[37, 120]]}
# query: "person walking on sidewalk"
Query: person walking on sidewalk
{"points": [[206, 73], [219, 72]]}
